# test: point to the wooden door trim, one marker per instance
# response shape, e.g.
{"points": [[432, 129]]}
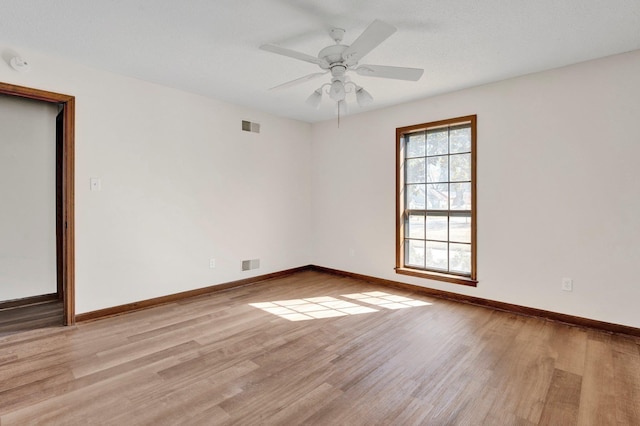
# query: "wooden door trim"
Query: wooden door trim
{"points": [[68, 161]]}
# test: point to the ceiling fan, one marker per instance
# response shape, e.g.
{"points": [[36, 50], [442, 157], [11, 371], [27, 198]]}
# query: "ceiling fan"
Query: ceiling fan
{"points": [[339, 59]]}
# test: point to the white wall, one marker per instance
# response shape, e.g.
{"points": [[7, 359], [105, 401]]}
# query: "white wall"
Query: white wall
{"points": [[181, 183], [27, 198], [558, 191], [557, 187]]}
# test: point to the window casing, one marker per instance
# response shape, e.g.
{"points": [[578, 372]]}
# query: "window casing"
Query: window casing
{"points": [[436, 200]]}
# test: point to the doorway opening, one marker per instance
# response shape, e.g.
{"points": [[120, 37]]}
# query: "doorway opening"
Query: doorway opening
{"points": [[64, 159]]}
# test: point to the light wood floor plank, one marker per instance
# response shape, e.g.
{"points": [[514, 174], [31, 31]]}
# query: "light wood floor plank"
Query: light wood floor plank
{"points": [[563, 399], [221, 359], [597, 396]]}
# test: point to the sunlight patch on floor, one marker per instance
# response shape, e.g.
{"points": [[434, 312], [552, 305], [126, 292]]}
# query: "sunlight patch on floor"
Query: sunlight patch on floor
{"points": [[312, 308], [328, 307], [386, 300]]}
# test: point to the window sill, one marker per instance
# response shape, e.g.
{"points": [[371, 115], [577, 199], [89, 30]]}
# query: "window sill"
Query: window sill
{"points": [[438, 277]]}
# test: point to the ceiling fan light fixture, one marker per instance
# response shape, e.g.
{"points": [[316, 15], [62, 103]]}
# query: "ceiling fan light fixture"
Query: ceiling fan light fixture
{"points": [[336, 91], [363, 97], [315, 98]]}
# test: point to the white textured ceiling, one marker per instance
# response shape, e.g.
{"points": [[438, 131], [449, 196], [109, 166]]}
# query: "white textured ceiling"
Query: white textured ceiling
{"points": [[210, 47]]}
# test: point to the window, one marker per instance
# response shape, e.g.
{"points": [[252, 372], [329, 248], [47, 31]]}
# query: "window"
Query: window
{"points": [[436, 200]]}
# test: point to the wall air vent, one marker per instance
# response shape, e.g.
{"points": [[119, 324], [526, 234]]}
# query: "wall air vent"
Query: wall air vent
{"points": [[250, 264], [248, 126]]}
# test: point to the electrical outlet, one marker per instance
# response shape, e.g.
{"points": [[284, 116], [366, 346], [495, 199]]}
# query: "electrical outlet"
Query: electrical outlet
{"points": [[212, 263], [567, 284]]}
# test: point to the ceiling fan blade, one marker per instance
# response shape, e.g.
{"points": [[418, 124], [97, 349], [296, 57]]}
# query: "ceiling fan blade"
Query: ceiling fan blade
{"points": [[295, 55], [398, 73], [376, 33], [298, 81]]}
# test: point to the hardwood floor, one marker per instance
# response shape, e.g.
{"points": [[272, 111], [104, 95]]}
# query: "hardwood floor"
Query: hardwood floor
{"points": [[236, 357], [31, 317]]}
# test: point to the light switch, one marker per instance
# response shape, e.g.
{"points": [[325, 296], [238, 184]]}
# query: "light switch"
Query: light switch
{"points": [[96, 184]]}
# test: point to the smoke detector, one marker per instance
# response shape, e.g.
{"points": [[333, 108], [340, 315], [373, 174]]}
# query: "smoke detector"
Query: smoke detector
{"points": [[19, 64]]}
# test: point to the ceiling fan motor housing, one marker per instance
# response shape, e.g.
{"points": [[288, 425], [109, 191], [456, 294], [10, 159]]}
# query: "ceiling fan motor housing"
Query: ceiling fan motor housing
{"points": [[332, 54]]}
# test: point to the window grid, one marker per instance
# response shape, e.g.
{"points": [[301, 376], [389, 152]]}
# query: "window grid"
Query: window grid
{"points": [[430, 225]]}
